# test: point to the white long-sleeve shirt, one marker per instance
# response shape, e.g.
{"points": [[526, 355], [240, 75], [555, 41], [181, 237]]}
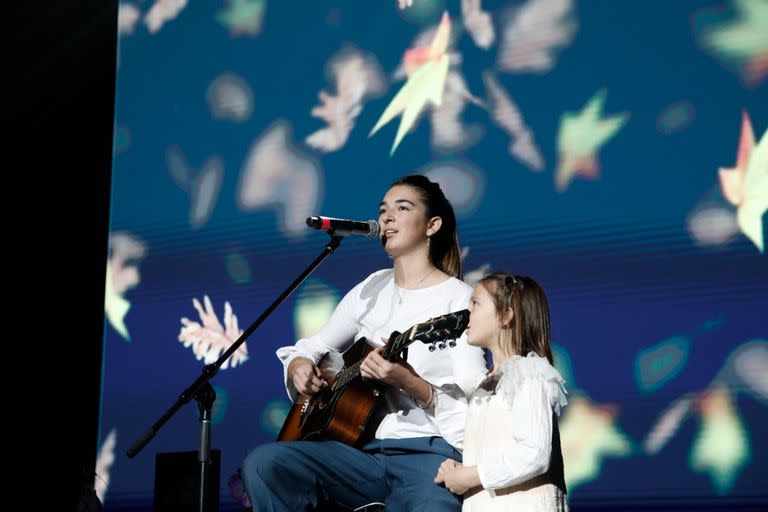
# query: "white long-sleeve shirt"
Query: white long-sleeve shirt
{"points": [[509, 428], [371, 310]]}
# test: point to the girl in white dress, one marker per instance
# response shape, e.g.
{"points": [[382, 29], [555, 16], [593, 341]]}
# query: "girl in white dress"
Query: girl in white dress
{"points": [[512, 455]]}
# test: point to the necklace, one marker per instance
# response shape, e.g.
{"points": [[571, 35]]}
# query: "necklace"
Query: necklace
{"points": [[400, 297]]}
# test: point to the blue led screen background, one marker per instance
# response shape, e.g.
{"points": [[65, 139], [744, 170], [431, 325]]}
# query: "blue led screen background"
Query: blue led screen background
{"points": [[614, 151]]}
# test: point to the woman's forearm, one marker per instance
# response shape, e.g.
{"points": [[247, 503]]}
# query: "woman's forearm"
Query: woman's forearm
{"points": [[419, 389]]}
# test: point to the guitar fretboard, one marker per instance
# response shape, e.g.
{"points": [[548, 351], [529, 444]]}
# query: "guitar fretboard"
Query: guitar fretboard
{"points": [[346, 375]]}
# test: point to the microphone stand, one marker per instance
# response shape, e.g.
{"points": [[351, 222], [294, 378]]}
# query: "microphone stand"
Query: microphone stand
{"points": [[201, 389]]}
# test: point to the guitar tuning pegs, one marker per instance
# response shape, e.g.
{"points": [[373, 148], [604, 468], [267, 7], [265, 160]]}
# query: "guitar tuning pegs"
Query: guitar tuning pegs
{"points": [[452, 343], [441, 345], [432, 347]]}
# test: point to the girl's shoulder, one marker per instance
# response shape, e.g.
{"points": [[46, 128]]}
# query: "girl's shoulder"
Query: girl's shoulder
{"points": [[517, 370]]}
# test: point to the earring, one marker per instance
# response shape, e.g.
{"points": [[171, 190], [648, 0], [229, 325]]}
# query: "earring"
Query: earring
{"points": [[429, 243]]}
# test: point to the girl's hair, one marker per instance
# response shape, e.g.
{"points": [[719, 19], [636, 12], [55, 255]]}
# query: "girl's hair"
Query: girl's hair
{"points": [[529, 329], [444, 244]]}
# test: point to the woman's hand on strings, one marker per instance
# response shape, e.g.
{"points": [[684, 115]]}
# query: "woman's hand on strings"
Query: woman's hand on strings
{"points": [[395, 373]]}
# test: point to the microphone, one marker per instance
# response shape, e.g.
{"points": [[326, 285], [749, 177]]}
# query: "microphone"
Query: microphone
{"points": [[343, 227]]}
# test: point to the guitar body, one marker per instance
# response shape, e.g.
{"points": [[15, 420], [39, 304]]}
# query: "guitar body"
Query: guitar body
{"points": [[345, 411]]}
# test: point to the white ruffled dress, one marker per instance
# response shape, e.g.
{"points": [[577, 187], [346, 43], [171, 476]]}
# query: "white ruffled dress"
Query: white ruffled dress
{"points": [[509, 438]]}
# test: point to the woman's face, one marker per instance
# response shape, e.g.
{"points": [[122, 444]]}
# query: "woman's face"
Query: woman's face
{"points": [[484, 328], [403, 221]]}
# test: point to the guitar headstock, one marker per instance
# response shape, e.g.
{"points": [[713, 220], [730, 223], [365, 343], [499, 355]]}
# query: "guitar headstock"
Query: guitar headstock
{"points": [[439, 332]]}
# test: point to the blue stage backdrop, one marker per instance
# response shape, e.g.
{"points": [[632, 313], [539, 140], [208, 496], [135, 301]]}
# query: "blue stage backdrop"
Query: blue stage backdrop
{"points": [[614, 151]]}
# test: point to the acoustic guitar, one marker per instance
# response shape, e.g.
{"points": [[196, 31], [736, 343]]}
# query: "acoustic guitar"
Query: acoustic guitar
{"points": [[349, 409]]}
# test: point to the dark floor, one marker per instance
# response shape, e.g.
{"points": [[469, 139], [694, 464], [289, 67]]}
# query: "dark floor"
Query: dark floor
{"points": [[759, 504]]}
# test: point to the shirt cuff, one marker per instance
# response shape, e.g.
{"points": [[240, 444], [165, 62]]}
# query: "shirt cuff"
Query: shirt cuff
{"points": [[485, 479], [288, 354]]}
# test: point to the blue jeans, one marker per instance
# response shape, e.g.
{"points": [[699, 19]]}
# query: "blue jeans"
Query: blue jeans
{"points": [[296, 475]]}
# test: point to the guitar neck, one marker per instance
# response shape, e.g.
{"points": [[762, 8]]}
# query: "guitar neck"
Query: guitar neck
{"points": [[449, 326], [347, 374], [400, 342], [390, 352]]}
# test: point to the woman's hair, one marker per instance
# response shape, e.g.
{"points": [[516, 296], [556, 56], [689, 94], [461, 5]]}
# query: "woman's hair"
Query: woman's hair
{"points": [[444, 244], [529, 328]]}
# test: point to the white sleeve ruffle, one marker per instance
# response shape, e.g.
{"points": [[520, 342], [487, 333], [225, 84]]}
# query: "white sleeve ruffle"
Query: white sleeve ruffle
{"points": [[517, 369], [335, 336]]}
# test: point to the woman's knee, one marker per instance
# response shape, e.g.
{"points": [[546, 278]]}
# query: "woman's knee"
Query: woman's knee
{"points": [[264, 461]]}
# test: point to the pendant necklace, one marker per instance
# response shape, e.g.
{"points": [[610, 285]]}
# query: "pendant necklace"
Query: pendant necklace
{"points": [[400, 297]]}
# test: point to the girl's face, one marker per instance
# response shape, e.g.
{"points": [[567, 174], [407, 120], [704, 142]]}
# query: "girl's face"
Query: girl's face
{"points": [[484, 326], [403, 221]]}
